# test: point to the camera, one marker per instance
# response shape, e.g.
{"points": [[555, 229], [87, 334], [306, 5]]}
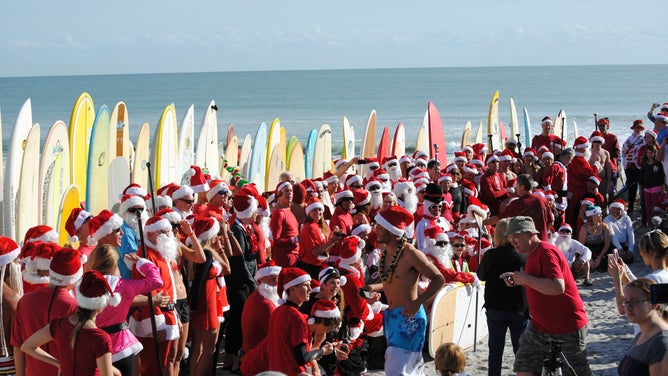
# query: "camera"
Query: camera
{"points": [[659, 293], [340, 234]]}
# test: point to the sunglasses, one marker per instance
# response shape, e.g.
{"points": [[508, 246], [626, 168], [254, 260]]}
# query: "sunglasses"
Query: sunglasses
{"points": [[441, 244], [564, 232], [176, 226], [189, 202], [458, 245], [224, 193], [596, 142], [116, 231], [136, 210], [393, 164], [348, 199], [436, 207]]}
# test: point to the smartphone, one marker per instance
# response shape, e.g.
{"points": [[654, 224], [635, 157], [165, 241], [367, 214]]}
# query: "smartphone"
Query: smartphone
{"points": [[658, 293], [615, 253]]}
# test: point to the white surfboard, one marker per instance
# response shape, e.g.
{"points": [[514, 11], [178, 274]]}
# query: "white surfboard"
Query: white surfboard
{"points": [[119, 178], [98, 162], [28, 213], [54, 172], [207, 156], [17, 141], [244, 155], [187, 141]]}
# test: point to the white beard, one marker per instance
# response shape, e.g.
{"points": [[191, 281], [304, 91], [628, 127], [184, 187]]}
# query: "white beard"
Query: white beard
{"points": [[264, 227], [184, 215], [563, 242], [269, 292], [376, 200], [410, 202], [442, 254], [167, 246], [386, 186], [131, 220], [394, 172]]}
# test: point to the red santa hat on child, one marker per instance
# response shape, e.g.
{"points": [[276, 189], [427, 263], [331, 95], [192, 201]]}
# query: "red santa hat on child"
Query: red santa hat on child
{"points": [[491, 159], [405, 159], [41, 233], [94, 292], [134, 189], [596, 136], [267, 269], [104, 224], [323, 308], [351, 249], [289, 277], [245, 205], [65, 268], [394, 219], [205, 228], [197, 180], [77, 218], [216, 187], [9, 250], [131, 201], [479, 148]]}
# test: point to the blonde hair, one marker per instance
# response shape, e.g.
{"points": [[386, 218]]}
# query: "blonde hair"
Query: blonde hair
{"points": [[104, 259], [654, 243], [449, 359], [500, 238]]}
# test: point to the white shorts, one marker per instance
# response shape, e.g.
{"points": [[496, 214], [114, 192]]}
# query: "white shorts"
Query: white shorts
{"points": [[403, 362]]}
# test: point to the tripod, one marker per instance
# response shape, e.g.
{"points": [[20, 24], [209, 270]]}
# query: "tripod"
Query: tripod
{"points": [[555, 360]]}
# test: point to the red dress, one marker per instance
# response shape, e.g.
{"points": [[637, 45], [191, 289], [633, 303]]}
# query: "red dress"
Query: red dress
{"points": [[82, 360], [285, 229], [205, 316]]}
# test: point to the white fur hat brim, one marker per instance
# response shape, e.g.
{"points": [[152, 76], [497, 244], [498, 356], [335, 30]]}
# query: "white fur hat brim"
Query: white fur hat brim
{"points": [[248, 212], [98, 302], [131, 202], [110, 225], [61, 280]]}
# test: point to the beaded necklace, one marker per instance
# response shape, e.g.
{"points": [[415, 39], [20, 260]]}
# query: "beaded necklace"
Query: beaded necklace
{"points": [[386, 274]]}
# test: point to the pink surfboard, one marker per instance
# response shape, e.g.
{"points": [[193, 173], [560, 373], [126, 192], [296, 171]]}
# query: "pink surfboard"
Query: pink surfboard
{"points": [[384, 145], [437, 147]]}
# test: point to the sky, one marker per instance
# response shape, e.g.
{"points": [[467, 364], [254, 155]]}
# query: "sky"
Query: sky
{"points": [[77, 38]]}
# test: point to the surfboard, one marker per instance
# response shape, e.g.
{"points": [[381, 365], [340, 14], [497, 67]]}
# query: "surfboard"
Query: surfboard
{"points": [[527, 129], [322, 159], [399, 142], [186, 141], [466, 135], [207, 156], [295, 163], [422, 142], [165, 149], [274, 168], [494, 141], [503, 134], [369, 145], [2, 178], [257, 161], [514, 124], [348, 139], [68, 202], [28, 213], [81, 125], [231, 157], [437, 145], [244, 155], [478, 133], [119, 178], [139, 170], [98, 162], [561, 126], [310, 153], [17, 140], [453, 317], [54, 172], [576, 134], [230, 134], [273, 139], [119, 131], [289, 148], [384, 144]]}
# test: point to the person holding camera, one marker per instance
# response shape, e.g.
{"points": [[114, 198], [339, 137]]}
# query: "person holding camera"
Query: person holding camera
{"points": [[557, 310], [648, 353]]}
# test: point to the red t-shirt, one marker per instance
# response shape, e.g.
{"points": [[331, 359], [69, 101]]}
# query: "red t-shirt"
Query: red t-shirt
{"points": [[553, 314], [532, 206], [255, 320], [341, 219], [92, 344], [284, 228], [287, 329], [493, 191], [311, 237], [32, 314]]}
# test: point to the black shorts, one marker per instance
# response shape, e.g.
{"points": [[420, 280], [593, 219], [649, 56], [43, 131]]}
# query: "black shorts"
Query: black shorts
{"points": [[183, 310]]}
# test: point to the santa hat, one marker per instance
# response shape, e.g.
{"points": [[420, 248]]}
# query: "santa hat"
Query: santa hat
{"points": [[323, 308], [41, 233], [638, 124], [538, 192], [651, 132], [361, 228], [470, 168], [477, 160], [551, 195], [469, 188], [197, 181], [338, 196], [546, 120], [394, 219], [65, 268], [329, 177], [405, 159], [352, 179], [381, 174], [205, 228], [133, 189], [309, 185], [9, 250], [94, 292], [420, 154], [565, 226], [421, 162], [618, 203], [547, 154], [460, 156], [587, 202], [170, 215], [263, 206], [460, 234], [506, 156], [603, 121], [467, 147], [245, 205], [217, 186], [596, 136], [476, 207], [662, 116], [131, 201], [362, 197], [314, 203], [581, 142], [372, 184], [282, 185], [330, 272], [445, 177], [594, 179], [37, 255], [104, 224], [434, 235], [529, 152], [450, 167], [593, 210], [181, 192], [339, 162], [160, 201], [351, 249], [157, 224], [479, 148], [388, 160], [420, 186], [510, 141], [372, 163], [267, 269], [542, 149], [166, 190], [77, 218], [491, 159], [289, 277]]}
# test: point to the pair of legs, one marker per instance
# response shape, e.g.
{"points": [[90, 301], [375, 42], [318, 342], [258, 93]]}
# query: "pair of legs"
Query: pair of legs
{"points": [[498, 323], [203, 348]]}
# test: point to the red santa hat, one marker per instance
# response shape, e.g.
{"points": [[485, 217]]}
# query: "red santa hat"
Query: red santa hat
{"points": [[405, 159], [245, 205], [450, 167], [476, 207], [420, 154], [77, 218], [458, 234], [161, 201], [104, 224], [434, 235], [420, 186], [603, 121], [445, 177], [565, 226], [470, 168], [381, 174], [542, 149], [181, 192], [469, 188], [134, 189], [596, 136], [197, 180], [309, 185], [479, 148], [551, 195], [460, 156], [170, 215], [491, 159], [41, 233], [282, 185], [619, 204], [362, 197], [510, 142], [506, 155], [323, 308], [267, 269], [546, 120], [157, 224], [373, 184], [638, 124], [547, 154], [538, 192], [372, 163], [217, 186], [467, 147], [339, 196], [477, 160], [205, 228], [331, 272], [166, 190], [394, 219], [663, 116], [65, 268], [580, 143], [131, 201], [594, 179], [353, 179], [289, 277], [94, 292], [587, 202], [351, 249], [361, 228], [314, 203], [9, 250], [529, 152], [388, 160], [330, 177], [37, 255]]}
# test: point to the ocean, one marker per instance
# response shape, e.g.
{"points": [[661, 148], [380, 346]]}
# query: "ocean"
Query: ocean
{"points": [[305, 100]]}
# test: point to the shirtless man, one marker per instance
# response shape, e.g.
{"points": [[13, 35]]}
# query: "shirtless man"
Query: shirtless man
{"points": [[602, 156], [401, 264]]}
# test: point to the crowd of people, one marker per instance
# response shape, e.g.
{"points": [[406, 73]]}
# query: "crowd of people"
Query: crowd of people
{"points": [[336, 275]]}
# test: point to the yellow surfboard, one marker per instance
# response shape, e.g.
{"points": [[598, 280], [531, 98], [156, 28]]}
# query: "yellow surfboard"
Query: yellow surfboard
{"points": [[296, 162], [165, 149], [493, 134], [466, 135], [81, 125], [369, 146], [68, 202]]}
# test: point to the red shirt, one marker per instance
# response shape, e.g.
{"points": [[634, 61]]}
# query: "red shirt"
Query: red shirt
{"points": [[287, 329], [493, 191], [547, 141], [91, 344], [532, 206], [32, 314], [553, 314], [343, 219], [255, 319], [284, 228], [311, 237]]}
